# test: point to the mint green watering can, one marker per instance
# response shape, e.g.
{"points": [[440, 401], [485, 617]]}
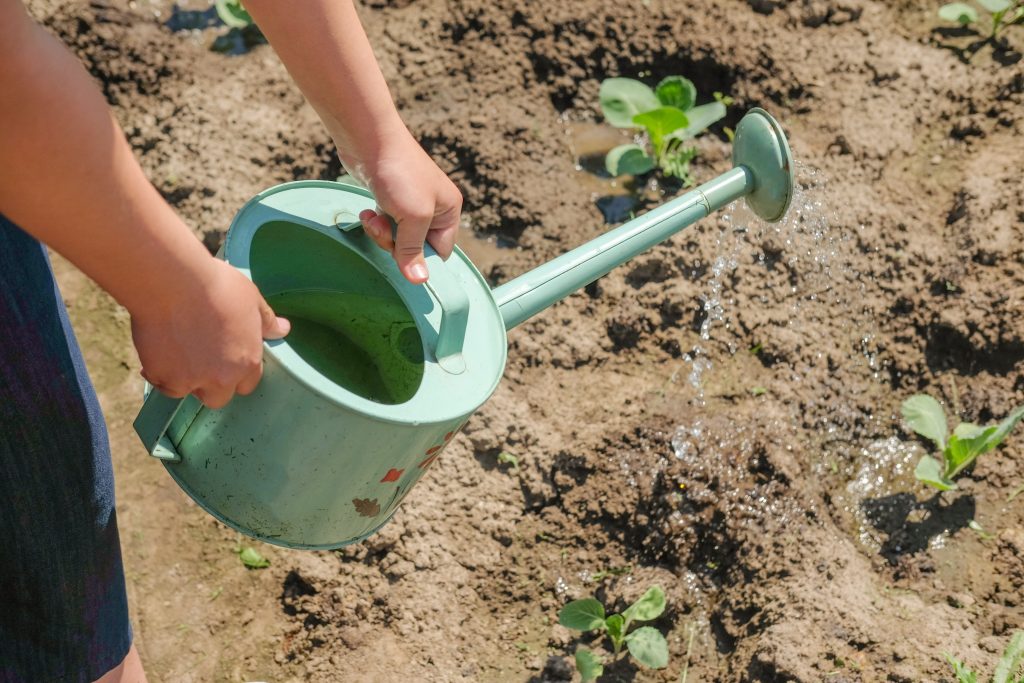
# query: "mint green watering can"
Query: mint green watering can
{"points": [[377, 374]]}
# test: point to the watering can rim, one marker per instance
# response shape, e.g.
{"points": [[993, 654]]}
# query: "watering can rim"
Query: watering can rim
{"points": [[435, 380]]}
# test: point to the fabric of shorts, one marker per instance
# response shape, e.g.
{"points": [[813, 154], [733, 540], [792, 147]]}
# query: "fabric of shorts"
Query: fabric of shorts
{"points": [[63, 607]]}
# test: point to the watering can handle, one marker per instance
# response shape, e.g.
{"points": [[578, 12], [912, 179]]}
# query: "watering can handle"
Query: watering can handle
{"points": [[151, 425], [454, 303]]}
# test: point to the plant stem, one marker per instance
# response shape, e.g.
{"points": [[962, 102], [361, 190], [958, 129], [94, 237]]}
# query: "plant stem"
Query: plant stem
{"points": [[689, 645]]}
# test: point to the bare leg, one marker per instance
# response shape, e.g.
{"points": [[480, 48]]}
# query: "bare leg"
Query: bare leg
{"points": [[128, 671]]}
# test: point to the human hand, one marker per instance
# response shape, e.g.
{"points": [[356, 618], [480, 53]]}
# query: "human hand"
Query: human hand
{"points": [[206, 337], [419, 197]]}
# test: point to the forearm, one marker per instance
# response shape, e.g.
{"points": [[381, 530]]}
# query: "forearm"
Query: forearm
{"points": [[68, 177], [325, 49]]}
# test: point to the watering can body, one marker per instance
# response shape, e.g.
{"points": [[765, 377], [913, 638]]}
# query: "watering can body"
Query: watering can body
{"points": [[377, 374]]}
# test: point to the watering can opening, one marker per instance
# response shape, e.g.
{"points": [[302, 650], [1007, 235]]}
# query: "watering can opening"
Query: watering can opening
{"points": [[348, 322]]}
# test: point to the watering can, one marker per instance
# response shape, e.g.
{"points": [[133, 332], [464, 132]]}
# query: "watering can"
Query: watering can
{"points": [[377, 374]]}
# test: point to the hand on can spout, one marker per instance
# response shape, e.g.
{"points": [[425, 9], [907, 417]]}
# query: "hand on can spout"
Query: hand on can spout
{"points": [[207, 338]]}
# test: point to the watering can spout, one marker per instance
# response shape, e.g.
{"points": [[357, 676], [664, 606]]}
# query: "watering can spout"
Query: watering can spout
{"points": [[762, 172]]}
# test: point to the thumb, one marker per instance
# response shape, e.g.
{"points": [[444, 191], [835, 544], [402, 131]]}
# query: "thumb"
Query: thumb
{"points": [[273, 327]]}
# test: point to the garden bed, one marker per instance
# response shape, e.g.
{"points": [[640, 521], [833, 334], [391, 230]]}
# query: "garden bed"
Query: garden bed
{"points": [[758, 472]]}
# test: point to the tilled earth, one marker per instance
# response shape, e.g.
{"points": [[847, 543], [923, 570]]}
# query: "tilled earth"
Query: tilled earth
{"points": [[718, 416]]}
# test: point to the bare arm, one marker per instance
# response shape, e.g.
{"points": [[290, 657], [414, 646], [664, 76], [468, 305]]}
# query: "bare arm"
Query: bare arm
{"points": [[68, 177], [325, 49]]}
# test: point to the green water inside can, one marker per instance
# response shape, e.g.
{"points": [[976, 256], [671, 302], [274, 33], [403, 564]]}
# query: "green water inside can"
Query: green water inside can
{"points": [[347, 320], [369, 345]]}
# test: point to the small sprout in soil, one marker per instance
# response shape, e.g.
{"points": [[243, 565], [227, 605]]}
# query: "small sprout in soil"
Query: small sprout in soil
{"points": [[1010, 668], [252, 559], [506, 458], [924, 415], [611, 571], [758, 391], [1016, 492], [232, 13], [646, 644], [980, 530], [1004, 13], [668, 114]]}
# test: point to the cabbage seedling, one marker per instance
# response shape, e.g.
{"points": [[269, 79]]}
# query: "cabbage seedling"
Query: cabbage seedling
{"points": [[924, 415], [645, 644], [1004, 13], [232, 13], [668, 114]]}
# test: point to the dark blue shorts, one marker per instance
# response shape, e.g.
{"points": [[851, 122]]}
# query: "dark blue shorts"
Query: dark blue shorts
{"points": [[63, 608]]}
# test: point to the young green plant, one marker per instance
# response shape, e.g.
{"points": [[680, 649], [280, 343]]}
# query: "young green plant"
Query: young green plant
{"points": [[232, 13], [1010, 668], [1003, 13], [646, 644], [958, 450], [668, 114]]}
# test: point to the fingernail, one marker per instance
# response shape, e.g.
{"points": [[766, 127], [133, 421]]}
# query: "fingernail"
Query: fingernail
{"points": [[419, 271], [283, 325]]}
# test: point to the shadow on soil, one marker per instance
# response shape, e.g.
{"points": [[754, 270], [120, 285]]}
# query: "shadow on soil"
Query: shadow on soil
{"points": [[911, 525]]}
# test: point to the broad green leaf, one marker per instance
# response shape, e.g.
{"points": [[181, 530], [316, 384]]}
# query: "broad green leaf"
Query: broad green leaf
{"points": [[962, 452], [628, 160], [252, 559], [968, 430], [701, 118], [232, 13], [650, 605], [589, 665], [1011, 661], [623, 98], [660, 122], [1004, 429], [962, 673], [648, 646], [958, 12], [994, 6], [929, 471], [615, 623], [924, 415], [582, 615], [676, 91]]}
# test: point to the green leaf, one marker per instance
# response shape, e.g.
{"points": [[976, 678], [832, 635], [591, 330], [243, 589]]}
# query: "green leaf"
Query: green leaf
{"points": [[962, 452], [628, 160], [648, 646], [676, 91], [650, 605], [924, 415], [701, 118], [623, 98], [962, 673], [252, 559], [1011, 661], [929, 471], [588, 664], [615, 625], [958, 12], [994, 6], [660, 122], [232, 13], [1004, 429], [582, 615]]}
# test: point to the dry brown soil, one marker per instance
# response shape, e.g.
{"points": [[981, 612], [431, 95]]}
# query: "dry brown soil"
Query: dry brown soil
{"points": [[790, 539]]}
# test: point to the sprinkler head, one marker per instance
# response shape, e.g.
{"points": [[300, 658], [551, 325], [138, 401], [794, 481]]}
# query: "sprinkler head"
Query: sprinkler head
{"points": [[760, 146]]}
